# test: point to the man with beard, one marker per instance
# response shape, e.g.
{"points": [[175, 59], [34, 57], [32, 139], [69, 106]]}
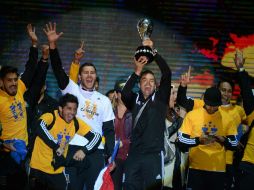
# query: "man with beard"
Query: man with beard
{"points": [[54, 133], [148, 107], [13, 116], [94, 108]]}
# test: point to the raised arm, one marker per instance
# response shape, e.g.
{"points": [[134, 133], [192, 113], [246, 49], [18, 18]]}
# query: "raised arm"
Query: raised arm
{"points": [[165, 82], [127, 95], [33, 93], [31, 64], [74, 69], [244, 83], [56, 63], [182, 99]]}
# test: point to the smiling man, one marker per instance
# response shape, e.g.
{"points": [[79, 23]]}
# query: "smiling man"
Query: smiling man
{"points": [[226, 88], [94, 108], [148, 107], [208, 132], [13, 115], [54, 133]]}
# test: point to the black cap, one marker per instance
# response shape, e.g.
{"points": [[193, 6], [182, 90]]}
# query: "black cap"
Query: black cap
{"points": [[119, 85], [212, 97]]}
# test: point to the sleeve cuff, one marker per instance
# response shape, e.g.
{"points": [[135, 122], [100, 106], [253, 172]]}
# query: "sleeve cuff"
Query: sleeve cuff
{"points": [[241, 69], [197, 140]]}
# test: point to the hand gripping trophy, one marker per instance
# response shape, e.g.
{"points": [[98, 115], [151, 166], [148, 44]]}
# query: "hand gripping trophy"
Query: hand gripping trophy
{"points": [[145, 28]]}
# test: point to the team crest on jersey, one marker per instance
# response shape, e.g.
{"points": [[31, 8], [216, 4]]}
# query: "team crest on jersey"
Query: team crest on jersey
{"points": [[209, 129], [89, 109], [17, 110]]}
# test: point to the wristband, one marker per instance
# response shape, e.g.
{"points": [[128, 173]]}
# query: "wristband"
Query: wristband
{"points": [[155, 51], [241, 69]]}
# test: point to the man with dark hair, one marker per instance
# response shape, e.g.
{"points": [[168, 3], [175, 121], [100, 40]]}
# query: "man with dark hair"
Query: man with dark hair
{"points": [[13, 116], [94, 108], [54, 132], [111, 94], [42, 102], [226, 88], [75, 67], [148, 107], [207, 132]]}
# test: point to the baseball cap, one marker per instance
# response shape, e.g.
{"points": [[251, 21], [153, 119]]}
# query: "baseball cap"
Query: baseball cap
{"points": [[212, 97]]}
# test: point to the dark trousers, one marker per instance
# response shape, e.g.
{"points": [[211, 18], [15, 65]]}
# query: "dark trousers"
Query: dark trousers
{"points": [[12, 175], [143, 171], [246, 176], [117, 174], [39, 180], [96, 164], [75, 169], [229, 177], [205, 180]]}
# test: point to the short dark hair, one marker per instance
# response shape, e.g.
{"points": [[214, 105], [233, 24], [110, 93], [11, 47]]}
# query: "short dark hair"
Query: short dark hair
{"points": [[97, 78], [109, 92], [67, 98], [6, 70], [86, 65], [147, 72], [227, 81]]}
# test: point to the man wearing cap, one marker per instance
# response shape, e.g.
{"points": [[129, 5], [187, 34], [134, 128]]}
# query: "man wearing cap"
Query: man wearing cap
{"points": [[94, 108], [207, 132], [226, 88]]}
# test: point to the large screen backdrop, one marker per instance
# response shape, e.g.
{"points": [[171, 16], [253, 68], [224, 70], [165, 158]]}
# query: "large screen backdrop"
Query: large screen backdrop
{"points": [[200, 34]]}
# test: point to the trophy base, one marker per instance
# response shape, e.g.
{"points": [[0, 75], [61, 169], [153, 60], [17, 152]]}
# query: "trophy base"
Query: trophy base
{"points": [[144, 51]]}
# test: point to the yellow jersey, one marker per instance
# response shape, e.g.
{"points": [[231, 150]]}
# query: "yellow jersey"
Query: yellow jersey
{"points": [[62, 133], [210, 157], [74, 69], [238, 116], [13, 114], [248, 155]]}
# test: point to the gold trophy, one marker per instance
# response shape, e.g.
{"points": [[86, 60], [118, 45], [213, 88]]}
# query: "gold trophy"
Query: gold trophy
{"points": [[145, 28]]}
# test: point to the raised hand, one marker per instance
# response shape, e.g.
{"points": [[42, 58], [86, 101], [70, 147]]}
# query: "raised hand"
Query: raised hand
{"points": [[79, 53], [139, 64], [239, 60], [31, 33], [51, 34], [186, 78], [148, 42]]}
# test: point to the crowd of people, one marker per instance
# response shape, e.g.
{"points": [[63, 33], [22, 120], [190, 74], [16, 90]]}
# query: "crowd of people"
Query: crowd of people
{"points": [[166, 140]]}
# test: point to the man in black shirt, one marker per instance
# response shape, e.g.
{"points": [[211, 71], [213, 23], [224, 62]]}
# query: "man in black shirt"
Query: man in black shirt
{"points": [[148, 107]]}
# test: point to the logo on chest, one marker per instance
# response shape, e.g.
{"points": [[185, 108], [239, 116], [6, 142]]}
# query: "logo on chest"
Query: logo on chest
{"points": [[17, 110], [90, 109], [209, 129]]}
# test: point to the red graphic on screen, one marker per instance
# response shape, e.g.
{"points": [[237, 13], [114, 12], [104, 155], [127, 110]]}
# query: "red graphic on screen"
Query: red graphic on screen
{"points": [[237, 43], [205, 78], [210, 53]]}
